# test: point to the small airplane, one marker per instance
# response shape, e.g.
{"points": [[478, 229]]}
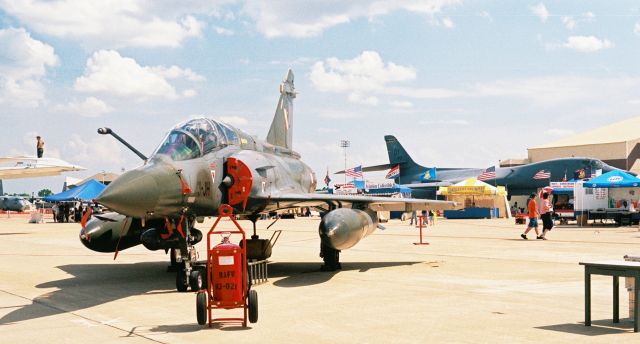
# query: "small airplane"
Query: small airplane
{"points": [[30, 166], [518, 180], [202, 164], [14, 203]]}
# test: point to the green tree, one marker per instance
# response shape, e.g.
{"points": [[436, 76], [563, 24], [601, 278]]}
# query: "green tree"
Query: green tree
{"points": [[44, 192]]}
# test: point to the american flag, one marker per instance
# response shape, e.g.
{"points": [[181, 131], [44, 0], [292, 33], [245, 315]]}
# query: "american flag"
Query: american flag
{"points": [[542, 174], [355, 172], [393, 173], [487, 174]]}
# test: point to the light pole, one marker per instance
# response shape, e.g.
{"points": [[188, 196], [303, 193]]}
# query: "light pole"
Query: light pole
{"points": [[345, 144]]}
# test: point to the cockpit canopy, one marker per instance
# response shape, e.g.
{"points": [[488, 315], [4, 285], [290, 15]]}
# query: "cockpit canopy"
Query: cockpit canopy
{"points": [[195, 138]]}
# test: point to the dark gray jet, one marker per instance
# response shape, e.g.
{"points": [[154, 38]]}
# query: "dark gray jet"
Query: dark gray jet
{"points": [[519, 180], [14, 203], [203, 163]]}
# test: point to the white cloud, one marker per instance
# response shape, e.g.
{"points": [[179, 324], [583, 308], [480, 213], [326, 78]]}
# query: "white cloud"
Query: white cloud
{"points": [[90, 107], [636, 29], [402, 104], [113, 23], [569, 22], [367, 75], [460, 122], [175, 72], [358, 98], [359, 77], [223, 31], [540, 10], [108, 72], [587, 44], [486, 14], [554, 91], [234, 120], [98, 150], [559, 132], [23, 68], [293, 18], [447, 22]]}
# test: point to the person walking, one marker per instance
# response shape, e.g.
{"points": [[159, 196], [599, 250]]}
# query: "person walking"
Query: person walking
{"points": [[39, 146], [414, 218], [546, 216], [533, 217]]}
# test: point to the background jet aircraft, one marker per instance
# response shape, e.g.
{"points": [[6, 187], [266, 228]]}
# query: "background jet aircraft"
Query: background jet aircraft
{"points": [[519, 180], [202, 164], [14, 203], [30, 166]]}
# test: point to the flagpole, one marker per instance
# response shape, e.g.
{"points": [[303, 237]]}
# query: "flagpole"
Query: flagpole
{"points": [[345, 144]]}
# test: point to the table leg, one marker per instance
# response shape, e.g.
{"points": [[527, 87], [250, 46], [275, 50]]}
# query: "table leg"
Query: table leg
{"points": [[587, 297], [636, 304], [616, 299]]}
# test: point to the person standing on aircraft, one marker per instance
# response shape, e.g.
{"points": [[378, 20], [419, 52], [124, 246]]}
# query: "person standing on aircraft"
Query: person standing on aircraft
{"points": [[533, 217], [39, 146], [547, 211]]}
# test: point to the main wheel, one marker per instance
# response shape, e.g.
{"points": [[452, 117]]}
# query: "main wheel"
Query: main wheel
{"points": [[201, 307], [195, 280], [253, 306], [181, 281], [331, 258]]}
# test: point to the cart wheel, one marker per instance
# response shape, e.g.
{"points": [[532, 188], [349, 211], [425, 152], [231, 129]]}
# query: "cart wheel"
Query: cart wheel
{"points": [[195, 280], [181, 281], [253, 306], [201, 307], [203, 273]]}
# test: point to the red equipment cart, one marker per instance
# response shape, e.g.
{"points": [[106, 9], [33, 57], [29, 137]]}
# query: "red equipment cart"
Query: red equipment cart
{"points": [[228, 283]]}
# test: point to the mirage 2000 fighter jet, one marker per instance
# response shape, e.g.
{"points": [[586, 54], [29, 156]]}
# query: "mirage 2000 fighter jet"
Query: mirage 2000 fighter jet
{"points": [[202, 164]]}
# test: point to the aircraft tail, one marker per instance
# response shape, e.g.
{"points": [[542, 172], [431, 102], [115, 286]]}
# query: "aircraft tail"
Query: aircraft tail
{"points": [[399, 156], [281, 131]]}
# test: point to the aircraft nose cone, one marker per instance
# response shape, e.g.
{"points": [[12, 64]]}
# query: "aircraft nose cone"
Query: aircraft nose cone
{"points": [[135, 193]]}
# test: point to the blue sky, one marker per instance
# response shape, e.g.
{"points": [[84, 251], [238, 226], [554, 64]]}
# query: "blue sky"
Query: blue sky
{"points": [[460, 83]]}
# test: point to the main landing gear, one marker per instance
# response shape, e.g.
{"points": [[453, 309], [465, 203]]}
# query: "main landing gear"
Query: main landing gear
{"points": [[330, 257]]}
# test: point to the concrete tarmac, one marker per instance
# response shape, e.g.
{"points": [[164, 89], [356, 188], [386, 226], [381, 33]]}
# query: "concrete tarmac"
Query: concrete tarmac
{"points": [[477, 282]]}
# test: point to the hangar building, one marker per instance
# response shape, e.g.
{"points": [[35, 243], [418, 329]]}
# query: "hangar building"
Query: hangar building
{"points": [[617, 144]]}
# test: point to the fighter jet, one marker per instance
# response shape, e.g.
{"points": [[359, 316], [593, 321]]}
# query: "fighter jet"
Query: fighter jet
{"points": [[203, 163], [519, 180], [30, 166], [14, 203]]}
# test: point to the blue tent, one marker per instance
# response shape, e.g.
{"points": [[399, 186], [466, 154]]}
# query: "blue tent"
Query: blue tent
{"points": [[613, 179], [85, 192]]}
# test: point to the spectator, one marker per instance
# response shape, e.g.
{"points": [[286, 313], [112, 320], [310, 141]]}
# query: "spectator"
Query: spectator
{"points": [[39, 146], [533, 217]]}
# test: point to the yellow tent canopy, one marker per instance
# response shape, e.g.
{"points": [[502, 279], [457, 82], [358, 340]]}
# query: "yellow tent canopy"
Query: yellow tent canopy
{"points": [[472, 187]]}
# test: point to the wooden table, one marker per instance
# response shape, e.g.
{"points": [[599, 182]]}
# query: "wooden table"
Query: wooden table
{"points": [[614, 268]]}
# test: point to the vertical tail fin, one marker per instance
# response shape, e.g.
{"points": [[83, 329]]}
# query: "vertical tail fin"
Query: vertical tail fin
{"points": [[399, 156], [281, 131]]}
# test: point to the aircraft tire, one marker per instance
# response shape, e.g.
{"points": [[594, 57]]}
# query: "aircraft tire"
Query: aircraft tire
{"points": [[201, 307], [196, 281], [253, 306], [331, 258], [182, 284]]}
